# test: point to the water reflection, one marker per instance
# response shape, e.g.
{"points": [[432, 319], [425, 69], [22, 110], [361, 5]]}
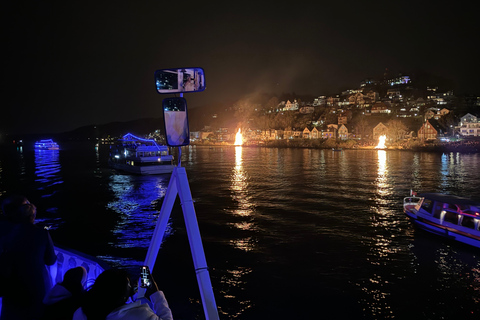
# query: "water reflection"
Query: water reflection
{"points": [[382, 172], [47, 171], [239, 188], [97, 172], [2, 190], [442, 267], [233, 279], [382, 249], [136, 201], [244, 207]]}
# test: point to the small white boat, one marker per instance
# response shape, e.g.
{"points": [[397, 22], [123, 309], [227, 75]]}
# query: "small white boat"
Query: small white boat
{"points": [[452, 217], [140, 156], [47, 144]]}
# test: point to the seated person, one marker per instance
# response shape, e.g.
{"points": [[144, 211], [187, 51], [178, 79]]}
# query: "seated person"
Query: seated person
{"points": [[65, 297], [109, 297], [30, 249]]}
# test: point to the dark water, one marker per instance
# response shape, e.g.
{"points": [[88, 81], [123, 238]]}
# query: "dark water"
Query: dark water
{"points": [[288, 233]]}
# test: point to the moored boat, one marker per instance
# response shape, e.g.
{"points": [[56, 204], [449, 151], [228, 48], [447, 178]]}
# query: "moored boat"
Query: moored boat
{"points": [[47, 144], [140, 156], [452, 217]]}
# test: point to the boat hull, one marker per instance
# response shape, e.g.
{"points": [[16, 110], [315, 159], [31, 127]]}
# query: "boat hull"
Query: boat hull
{"points": [[141, 156], [443, 231], [143, 170], [429, 222], [50, 148]]}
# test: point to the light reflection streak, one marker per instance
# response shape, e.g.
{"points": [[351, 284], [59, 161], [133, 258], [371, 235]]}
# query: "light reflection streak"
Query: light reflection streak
{"points": [[444, 171], [382, 250], [47, 170], [239, 186], [98, 171], [245, 244], [136, 202], [233, 281], [244, 206]]}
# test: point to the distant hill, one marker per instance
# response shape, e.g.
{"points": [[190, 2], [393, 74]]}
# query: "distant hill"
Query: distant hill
{"points": [[198, 118], [114, 129]]}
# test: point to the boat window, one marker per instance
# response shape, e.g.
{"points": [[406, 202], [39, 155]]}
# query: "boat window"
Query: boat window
{"points": [[427, 205], [437, 210], [468, 222], [450, 206], [451, 217]]}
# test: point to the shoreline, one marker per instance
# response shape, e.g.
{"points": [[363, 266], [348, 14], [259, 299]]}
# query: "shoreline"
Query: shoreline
{"points": [[472, 146]]}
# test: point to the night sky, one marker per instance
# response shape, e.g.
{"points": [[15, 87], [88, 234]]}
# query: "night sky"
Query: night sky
{"points": [[76, 63]]}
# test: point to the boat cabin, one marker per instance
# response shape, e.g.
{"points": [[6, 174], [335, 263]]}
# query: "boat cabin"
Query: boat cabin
{"points": [[451, 210]]}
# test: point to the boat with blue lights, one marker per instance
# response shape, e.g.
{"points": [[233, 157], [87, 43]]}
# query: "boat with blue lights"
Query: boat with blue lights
{"points": [[450, 216], [47, 144], [137, 155]]}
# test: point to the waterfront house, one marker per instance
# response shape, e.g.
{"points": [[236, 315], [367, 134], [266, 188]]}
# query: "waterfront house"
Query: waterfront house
{"points": [[343, 132], [288, 133], [269, 134], [306, 133], [470, 129], [468, 118], [431, 130], [311, 133], [329, 133], [379, 130], [297, 133]]}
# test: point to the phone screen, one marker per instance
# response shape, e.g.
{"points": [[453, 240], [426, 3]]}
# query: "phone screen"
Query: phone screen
{"points": [[176, 122], [145, 277]]}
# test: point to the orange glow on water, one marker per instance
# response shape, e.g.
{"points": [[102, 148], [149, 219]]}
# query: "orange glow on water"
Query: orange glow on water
{"points": [[238, 138]]}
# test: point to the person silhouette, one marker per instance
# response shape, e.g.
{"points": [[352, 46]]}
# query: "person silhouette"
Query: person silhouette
{"points": [[30, 249], [65, 297], [111, 294]]}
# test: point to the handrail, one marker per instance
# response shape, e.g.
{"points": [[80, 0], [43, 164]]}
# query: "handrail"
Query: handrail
{"points": [[69, 258]]}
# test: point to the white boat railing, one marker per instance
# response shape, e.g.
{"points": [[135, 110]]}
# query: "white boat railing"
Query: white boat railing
{"points": [[67, 259], [411, 201]]}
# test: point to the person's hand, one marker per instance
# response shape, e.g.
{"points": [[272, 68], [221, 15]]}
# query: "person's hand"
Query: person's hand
{"points": [[152, 288]]}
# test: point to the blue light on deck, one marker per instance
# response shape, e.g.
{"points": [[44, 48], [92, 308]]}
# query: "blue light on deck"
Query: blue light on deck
{"points": [[130, 136]]}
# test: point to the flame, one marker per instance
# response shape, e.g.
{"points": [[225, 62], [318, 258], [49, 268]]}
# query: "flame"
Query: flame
{"points": [[381, 142], [238, 138]]}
